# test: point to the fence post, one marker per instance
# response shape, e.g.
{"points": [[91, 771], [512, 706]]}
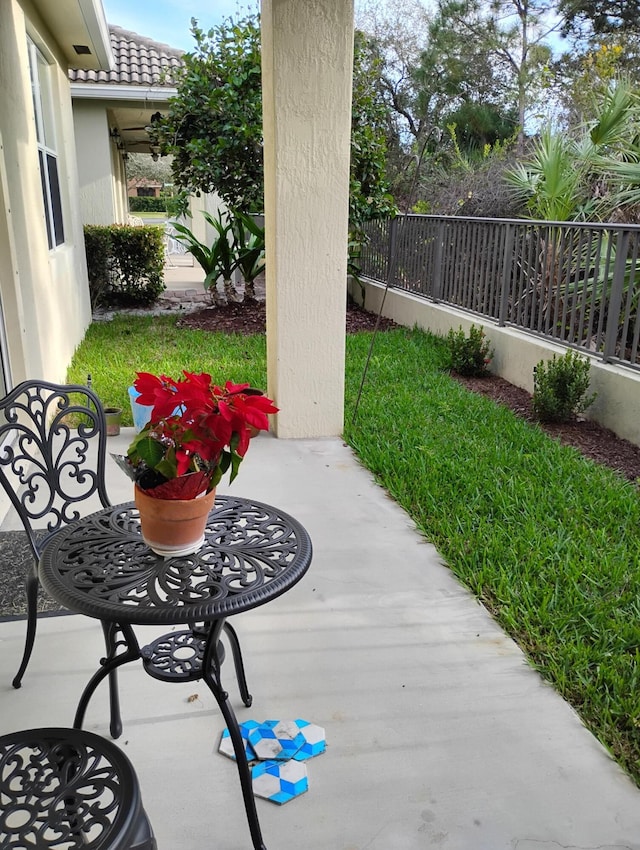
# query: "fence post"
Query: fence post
{"points": [[615, 299], [393, 252], [436, 286], [506, 269]]}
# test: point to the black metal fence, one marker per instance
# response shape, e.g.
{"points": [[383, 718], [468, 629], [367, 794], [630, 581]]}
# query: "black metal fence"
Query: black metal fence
{"points": [[574, 283]]}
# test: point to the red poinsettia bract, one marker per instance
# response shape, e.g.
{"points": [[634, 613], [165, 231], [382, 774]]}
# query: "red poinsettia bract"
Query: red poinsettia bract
{"points": [[195, 427]]}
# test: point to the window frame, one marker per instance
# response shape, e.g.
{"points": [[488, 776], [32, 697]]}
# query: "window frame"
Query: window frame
{"points": [[46, 132]]}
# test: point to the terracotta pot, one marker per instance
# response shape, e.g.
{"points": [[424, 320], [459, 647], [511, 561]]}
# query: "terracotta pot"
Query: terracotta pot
{"points": [[173, 527]]}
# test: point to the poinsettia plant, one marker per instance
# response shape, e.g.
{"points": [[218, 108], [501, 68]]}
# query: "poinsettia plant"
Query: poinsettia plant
{"points": [[197, 431]]}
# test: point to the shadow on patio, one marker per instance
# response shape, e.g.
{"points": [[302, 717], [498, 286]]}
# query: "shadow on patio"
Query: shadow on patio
{"points": [[438, 732]]}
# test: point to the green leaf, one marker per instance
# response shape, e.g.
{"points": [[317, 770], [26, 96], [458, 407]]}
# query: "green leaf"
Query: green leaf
{"points": [[146, 449]]}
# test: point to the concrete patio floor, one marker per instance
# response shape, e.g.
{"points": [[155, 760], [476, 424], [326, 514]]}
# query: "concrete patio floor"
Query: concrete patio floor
{"points": [[439, 734]]}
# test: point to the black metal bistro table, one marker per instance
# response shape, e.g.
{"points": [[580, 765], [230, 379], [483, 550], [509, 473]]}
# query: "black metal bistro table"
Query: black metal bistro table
{"points": [[101, 567]]}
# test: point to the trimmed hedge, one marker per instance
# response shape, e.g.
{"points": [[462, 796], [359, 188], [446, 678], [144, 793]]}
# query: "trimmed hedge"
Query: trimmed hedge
{"points": [[147, 204], [125, 264]]}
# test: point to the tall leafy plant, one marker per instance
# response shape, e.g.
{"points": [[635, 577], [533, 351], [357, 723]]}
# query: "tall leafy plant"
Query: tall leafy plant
{"points": [[587, 176], [248, 243], [217, 260], [571, 178]]}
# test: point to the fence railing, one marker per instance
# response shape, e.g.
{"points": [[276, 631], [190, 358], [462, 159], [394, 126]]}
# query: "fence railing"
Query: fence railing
{"points": [[575, 283]]}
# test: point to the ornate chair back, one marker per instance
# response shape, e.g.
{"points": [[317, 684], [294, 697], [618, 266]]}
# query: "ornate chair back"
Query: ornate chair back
{"points": [[52, 463]]}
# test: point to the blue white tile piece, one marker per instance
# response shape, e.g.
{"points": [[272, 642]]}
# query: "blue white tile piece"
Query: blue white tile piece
{"points": [[279, 781], [226, 746], [276, 749], [276, 739], [315, 741]]}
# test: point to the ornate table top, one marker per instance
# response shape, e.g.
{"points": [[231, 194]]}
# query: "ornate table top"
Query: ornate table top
{"points": [[100, 566]]}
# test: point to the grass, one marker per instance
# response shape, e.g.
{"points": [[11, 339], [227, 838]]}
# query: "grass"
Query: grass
{"points": [[548, 540], [112, 352]]}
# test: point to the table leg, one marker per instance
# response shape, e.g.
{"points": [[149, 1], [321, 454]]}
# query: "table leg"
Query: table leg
{"points": [[234, 643], [211, 675], [108, 667]]}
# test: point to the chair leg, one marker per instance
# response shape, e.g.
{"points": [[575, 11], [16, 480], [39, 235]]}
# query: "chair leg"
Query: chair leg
{"points": [[144, 838], [247, 699], [122, 647], [32, 619]]}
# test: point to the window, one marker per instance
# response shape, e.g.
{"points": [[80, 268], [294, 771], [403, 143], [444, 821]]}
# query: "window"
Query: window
{"points": [[45, 132]]}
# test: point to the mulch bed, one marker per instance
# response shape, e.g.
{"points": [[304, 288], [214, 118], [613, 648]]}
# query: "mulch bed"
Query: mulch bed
{"points": [[250, 318], [594, 441]]}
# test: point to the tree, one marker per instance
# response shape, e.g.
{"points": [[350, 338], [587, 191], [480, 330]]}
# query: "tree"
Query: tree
{"points": [[214, 124], [471, 63], [479, 125], [397, 32], [590, 175], [603, 16], [369, 195], [582, 80], [511, 35], [142, 165]]}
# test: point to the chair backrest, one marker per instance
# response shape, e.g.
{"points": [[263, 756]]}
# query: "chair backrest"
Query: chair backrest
{"points": [[52, 455]]}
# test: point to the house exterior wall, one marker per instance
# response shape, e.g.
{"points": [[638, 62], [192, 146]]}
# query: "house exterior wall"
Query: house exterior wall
{"points": [[617, 405], [140, 188], [97, 185], [307, 64], [45, 294]]}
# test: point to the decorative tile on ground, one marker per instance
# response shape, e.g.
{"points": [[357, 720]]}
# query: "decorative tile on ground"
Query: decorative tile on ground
{"points": [[279, 781], [276, 739], [315, 741], [226, 745]]}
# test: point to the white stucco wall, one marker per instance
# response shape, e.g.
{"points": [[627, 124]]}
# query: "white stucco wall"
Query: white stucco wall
{"points": [[94, 147], [617, 405], [307, 60], [44, 293]]}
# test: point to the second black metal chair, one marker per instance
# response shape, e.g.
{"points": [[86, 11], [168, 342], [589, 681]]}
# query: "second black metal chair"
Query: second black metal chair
{"points": [[69, 788]]}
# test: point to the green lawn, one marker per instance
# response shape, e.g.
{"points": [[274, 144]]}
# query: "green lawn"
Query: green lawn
{"points": [[112, 352], [159, 216], [549, 541]]}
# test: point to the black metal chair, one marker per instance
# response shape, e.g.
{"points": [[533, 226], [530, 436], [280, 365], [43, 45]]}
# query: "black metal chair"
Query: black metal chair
{"points": [[69, 788], [52, 458]]}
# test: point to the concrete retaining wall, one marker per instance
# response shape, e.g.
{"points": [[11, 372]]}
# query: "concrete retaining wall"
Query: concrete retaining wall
{"points": [[617, 405]]}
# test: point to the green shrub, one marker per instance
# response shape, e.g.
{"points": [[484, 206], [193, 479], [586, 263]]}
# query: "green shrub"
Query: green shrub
{"points": [[97, 245], [147, 204], [125, 264], [560, 387], [469, 355]]}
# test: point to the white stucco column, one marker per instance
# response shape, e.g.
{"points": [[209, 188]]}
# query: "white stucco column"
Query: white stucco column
{"points": [[307, 59]]}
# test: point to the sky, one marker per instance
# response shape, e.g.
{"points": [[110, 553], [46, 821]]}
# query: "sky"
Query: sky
{"points": [[169, 21]]}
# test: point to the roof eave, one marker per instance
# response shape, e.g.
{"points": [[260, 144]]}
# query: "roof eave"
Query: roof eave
{"points": [[121, 91], [78, 26]]}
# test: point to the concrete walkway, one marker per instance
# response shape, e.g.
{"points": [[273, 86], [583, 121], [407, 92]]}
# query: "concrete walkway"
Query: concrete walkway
{"points": [[439, 734]]}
